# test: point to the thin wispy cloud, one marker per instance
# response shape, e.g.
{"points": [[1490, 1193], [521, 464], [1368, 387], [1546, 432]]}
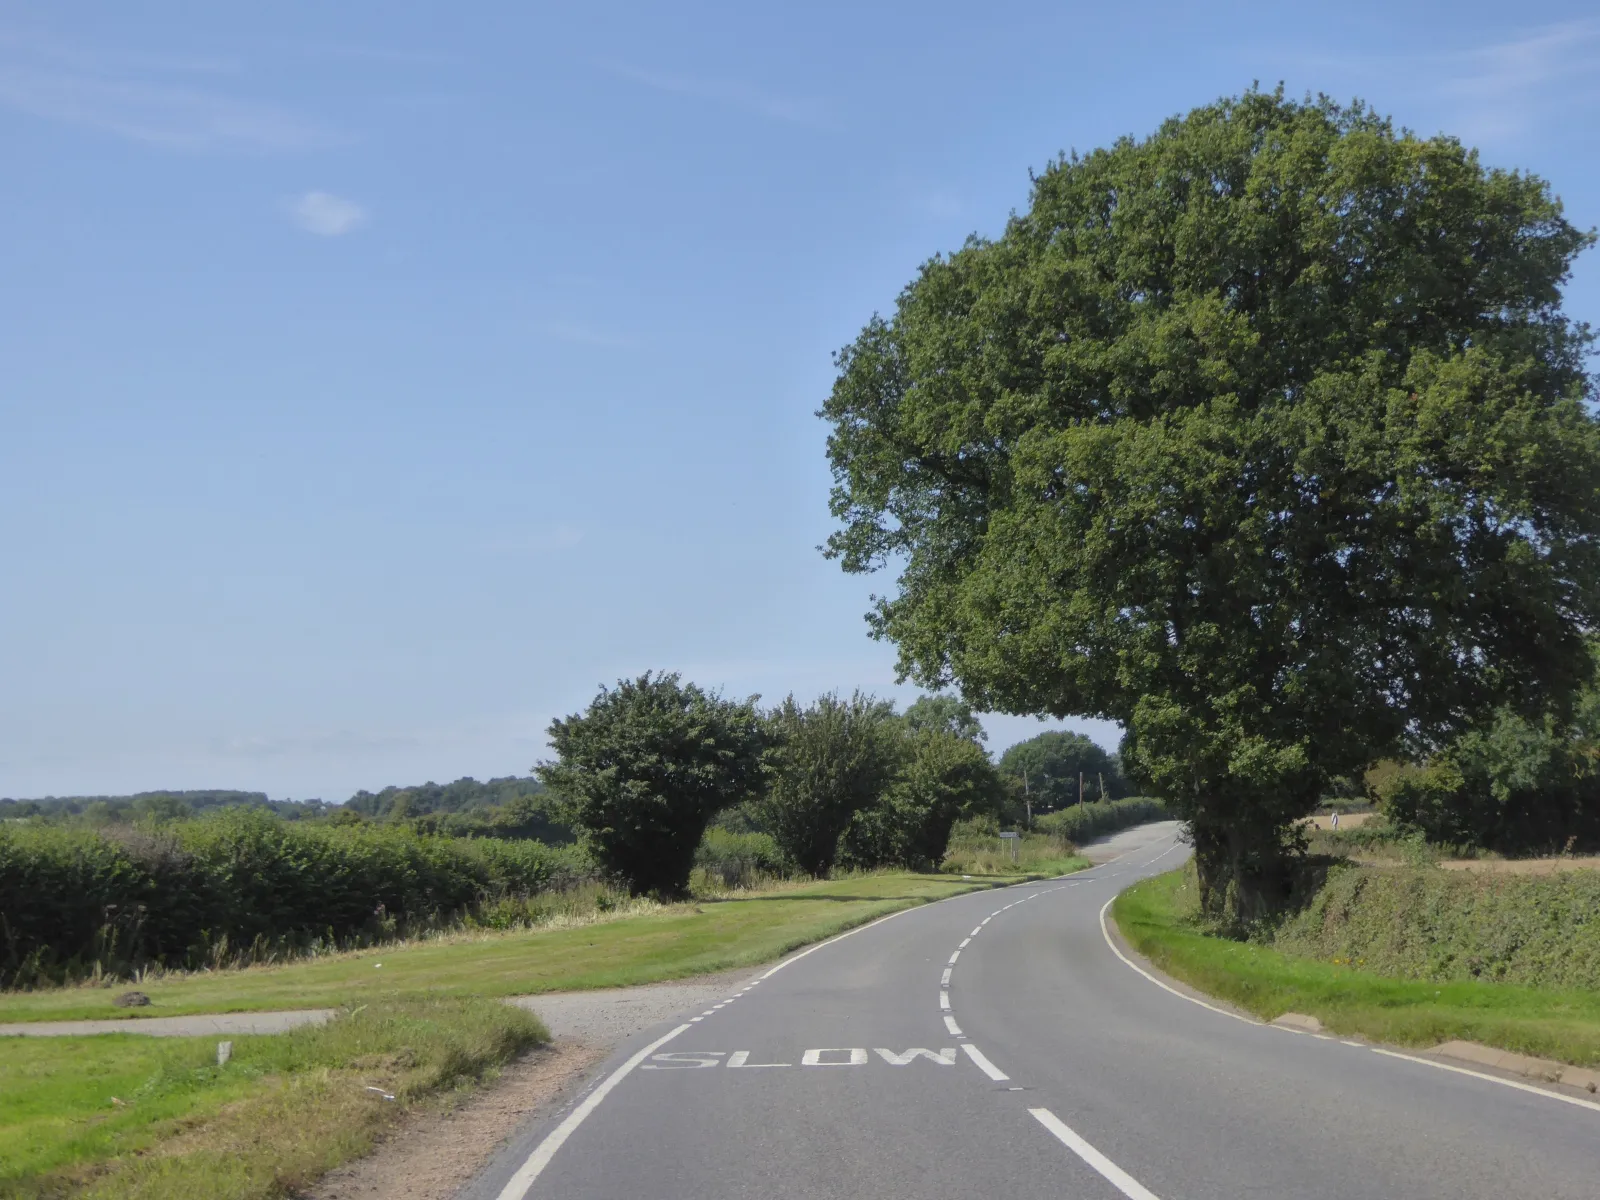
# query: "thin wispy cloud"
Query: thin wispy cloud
{"points": [[327, 215], [167, 101], [1505, 85], [729, 93], [1493, 91]]}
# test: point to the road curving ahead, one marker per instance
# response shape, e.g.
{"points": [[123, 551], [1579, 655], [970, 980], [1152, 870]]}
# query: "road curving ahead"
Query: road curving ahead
{"points": [[997, 1044]]}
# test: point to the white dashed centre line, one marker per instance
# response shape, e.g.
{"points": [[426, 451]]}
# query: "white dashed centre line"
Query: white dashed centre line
{"points": [[983, 1064], [944, 1001], [950, 1024], [1115, 1175]]}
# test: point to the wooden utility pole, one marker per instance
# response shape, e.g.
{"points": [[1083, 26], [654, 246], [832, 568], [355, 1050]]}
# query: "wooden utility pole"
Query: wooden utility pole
{"points": [[1102, 780], [1080, 788]]}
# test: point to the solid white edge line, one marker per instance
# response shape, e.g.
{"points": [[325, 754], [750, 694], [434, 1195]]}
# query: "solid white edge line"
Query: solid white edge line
{"points": [[1427, 1062], [518, 1185], [1510, 1083], [983, 1064], [1115, 1175], [771, 971], [1105, 932]]}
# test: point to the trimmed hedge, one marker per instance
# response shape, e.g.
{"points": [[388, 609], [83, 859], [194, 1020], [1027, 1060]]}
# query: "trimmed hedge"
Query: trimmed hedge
{"points": [[239, 883], [1427, 923], [1081, 822]]}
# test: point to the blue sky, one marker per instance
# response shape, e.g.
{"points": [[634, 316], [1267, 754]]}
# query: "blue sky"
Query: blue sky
{"points": [[376, 379]]}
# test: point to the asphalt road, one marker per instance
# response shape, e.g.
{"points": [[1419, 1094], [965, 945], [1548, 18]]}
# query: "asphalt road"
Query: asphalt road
{"points": [[1057, 1070]]}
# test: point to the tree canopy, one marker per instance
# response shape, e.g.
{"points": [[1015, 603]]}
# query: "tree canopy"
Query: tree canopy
{"points": [[949, 713], [1051, 763], [1264, 436], [830, 761], [645, 768]]}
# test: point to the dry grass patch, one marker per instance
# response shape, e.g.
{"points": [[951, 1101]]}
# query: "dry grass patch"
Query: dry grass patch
{"points": [[120, 1116]]}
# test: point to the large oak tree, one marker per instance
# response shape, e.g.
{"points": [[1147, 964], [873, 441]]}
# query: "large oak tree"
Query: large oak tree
{"points": [[1265, 436]]}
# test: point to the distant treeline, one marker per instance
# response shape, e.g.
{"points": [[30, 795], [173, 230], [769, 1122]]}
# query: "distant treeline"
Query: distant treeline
{"points": [[510, 806], [158, 804]]}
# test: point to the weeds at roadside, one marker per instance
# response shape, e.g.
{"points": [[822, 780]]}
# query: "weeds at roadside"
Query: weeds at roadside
{"points": [[283, 1110]]}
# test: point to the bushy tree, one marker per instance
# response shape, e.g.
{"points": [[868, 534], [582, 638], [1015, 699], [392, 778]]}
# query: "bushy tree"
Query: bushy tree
{"points": [[942, 778], [1514, 785], [1051, 763], [1264, 436], [831, 760], [949, 713], [646, 766]]}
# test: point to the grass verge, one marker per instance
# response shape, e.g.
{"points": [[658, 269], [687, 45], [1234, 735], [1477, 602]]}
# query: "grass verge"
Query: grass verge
{"points": [[712, 934], [133, 1117], [1156, 916]]}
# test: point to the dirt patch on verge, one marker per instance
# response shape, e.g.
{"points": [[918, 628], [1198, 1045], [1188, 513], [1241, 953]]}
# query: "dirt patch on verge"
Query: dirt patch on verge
{"points": [[434, 1151], [1523, 866]]}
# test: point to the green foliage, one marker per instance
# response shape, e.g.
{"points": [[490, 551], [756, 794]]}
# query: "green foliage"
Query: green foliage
{"points": [[1514, 785], [976, 848], [942, 777], [464, 795], [1051, 763], [1423, 923], [644, 769], [1159, 917], [1264, 436], [830, 761], [1084, 821], [237, 884], [160, 806], [949, 713], [281, 1111], [536, 816], [739, 859]]}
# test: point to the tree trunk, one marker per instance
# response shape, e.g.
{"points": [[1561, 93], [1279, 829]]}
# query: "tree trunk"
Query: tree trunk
{"points": [[1245, 874]]}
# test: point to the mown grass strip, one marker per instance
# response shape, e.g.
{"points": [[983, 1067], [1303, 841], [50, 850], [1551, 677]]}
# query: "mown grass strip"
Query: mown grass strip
{"points": [[1155, 917], [131, 1117], [683, 940]]}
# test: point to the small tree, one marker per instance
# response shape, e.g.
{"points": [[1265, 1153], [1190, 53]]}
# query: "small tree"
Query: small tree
{"points": [[1051, 764], [645, 768], [832, 759], [943, 778], [949, 713]]}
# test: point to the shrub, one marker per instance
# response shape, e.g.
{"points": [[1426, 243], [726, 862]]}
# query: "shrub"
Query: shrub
{"points": [[943, 776], [739, 859], [832, 760], [1084, 821], [1424, 923], [239, 882], [646, 767]]}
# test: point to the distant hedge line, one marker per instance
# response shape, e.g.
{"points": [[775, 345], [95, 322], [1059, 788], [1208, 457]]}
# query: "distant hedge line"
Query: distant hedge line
{"points": [[238, 883], [1081, 822], [1427, 923]]}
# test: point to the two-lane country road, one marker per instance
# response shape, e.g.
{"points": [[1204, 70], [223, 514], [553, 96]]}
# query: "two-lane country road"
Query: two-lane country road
{"points": [[995, 1044]]}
